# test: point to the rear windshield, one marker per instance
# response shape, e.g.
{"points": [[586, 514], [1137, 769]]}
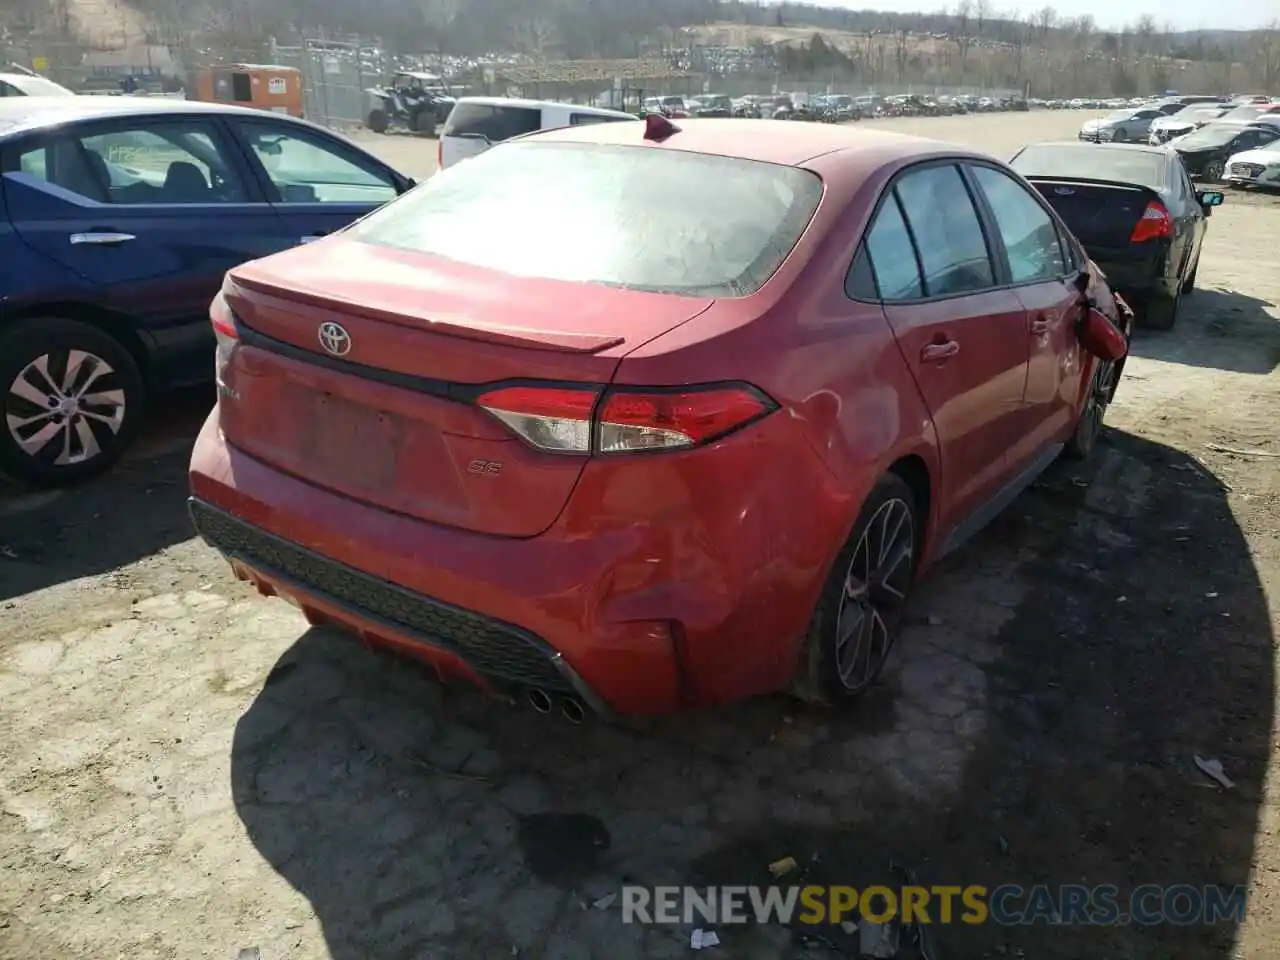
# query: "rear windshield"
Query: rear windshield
{"points": [[493, 123], [1213, 135], [1244, 113], [640, 218], [1092, 162]]}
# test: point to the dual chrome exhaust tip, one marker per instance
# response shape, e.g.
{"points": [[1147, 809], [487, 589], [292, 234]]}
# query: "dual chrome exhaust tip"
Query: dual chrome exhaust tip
{"points": [[571, 708]]}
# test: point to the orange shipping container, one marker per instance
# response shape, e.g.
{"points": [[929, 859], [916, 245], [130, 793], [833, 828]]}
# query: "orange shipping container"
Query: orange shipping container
{"points": [[274, 88]]}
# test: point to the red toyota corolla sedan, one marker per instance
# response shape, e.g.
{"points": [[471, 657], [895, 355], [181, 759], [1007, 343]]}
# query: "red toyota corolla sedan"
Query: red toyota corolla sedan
{"points": [[628, 417]]}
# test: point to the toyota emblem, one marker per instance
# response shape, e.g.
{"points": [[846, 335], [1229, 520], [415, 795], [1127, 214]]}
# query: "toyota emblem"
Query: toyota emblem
{"points": [[335, 339]]}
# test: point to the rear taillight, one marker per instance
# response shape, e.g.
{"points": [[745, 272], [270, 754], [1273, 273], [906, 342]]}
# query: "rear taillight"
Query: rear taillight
{"points": [[227, 335], [625, 420], [1155, 222]]}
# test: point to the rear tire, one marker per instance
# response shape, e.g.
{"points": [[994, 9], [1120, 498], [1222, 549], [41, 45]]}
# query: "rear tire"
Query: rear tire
{"points": [[1161, 313], [859, 611], [1189, 284], [376, 121], [1102, 388], [72, 398]]}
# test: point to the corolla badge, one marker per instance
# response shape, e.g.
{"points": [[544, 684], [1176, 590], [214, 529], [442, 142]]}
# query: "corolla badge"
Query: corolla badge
{"points": [[335, 339]]}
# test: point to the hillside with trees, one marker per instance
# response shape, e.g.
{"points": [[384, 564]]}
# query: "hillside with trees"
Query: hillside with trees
{"points": [[968, 43]]}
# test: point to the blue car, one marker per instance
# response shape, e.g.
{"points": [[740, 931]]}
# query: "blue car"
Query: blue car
{"points": [[118, 218]]}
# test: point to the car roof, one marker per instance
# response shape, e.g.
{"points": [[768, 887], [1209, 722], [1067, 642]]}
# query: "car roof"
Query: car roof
{"points": [[24, 114], [1090, 145], [768, 141], [540, 104], [23, 80]]}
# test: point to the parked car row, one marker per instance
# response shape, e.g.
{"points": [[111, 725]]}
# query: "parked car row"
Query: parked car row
{"points": [[1205, 136]]}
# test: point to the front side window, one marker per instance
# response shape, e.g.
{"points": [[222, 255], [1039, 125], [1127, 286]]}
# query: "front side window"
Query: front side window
{"points": [[305, 168], [1029, 234], [589, 213], [948, 235]]}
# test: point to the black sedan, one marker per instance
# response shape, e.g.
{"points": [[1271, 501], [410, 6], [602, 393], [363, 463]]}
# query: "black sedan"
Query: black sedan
{"points": [[1134, 210], [1205, 153]]}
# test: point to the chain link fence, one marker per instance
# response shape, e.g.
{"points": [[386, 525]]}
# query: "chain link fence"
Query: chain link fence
{"points": [[335, 75]]}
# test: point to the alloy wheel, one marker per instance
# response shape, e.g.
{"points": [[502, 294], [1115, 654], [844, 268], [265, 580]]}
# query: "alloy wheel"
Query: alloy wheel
{"points": [[1213, 171], [875, 587], [1095, 405], [63, 406]]}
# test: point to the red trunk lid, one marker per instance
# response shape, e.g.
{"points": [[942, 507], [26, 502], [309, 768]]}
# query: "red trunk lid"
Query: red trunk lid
{"points": [[389, 422]]}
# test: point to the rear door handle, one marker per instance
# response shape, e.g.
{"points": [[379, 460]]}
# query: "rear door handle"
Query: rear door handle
{"points": [[312, 238], [103, 238], [1040, 324], [934, 352]]}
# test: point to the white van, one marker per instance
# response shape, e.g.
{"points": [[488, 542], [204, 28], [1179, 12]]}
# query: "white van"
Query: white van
{"points": [[477, 123]]}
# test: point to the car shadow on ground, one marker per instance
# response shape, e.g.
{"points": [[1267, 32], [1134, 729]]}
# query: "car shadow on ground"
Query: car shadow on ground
{"points": [[135, 510], [1222, 329], [1038, 726]]}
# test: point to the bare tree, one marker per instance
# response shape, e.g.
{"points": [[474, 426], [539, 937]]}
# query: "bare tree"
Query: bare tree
{"points": [[981, 14], [1046, 18], [1264, 59], [1144, 32], [963, 38]]}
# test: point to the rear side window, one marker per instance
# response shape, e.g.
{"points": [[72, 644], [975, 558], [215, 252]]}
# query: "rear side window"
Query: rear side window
{"points": [[490, 122], [581, 119], [588, 213], [953, 251], [892, 257]]}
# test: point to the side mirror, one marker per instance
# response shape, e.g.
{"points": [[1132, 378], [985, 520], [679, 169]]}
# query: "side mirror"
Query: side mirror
{"points": [[1100, 337], [1210, 198], [1081, 281]]}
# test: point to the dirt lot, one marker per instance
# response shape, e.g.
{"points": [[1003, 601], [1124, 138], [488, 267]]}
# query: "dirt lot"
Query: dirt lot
{"points": [[189, 770]]}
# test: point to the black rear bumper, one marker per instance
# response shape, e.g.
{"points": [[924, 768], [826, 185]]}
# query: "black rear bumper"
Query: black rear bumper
{"points": [[1138, 279]]}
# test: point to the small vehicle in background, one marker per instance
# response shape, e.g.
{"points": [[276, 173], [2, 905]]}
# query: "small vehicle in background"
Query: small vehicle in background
{"points": [[1259, 167], [413, 101], [1136, 213], [478, 123], [1186, 120], [1127, 125], [671, 105], [1206, 151], [712, 105]]}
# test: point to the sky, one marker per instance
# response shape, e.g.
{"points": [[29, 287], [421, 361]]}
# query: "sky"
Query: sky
{"points": [[1111, 15]]}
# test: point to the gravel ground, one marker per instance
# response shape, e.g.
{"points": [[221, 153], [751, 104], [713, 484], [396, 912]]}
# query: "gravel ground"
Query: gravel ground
{"points": [[189, 770]]}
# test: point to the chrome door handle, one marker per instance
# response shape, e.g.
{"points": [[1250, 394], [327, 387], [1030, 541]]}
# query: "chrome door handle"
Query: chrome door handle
{"points": [[934, 352], [311, 239], [103, 239], [1040, 325]]}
